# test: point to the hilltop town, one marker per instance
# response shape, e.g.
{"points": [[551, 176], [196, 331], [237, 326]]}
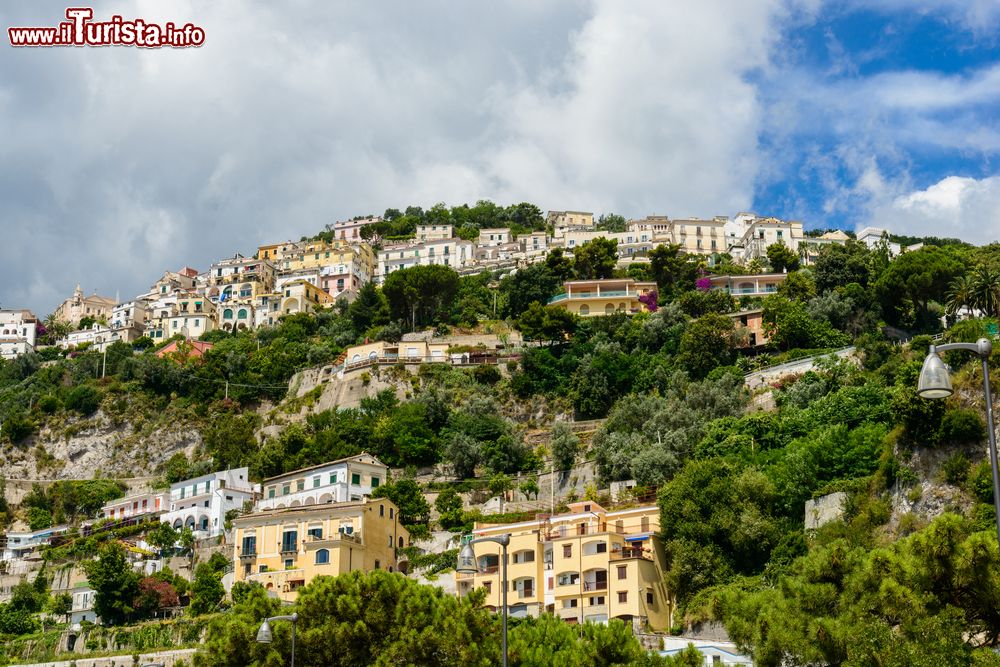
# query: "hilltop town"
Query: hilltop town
{"points": [[678, 426]]}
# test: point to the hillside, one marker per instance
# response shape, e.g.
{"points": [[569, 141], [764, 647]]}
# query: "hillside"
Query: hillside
{"points": [[658, 397]]}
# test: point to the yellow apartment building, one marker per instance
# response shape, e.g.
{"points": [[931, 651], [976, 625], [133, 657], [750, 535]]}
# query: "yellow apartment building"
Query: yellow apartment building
{"points": [[301, 296], [285, 549], [297, 256], [587, 298], [701, 237], [588, 564]]}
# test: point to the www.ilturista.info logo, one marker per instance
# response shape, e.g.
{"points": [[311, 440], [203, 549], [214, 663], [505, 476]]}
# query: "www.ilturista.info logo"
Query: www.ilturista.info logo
{"points": [[80, 30]]}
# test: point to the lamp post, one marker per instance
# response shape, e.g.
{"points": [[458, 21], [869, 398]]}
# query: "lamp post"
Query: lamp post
{"points": [[264, 634], [935, 382], [467, 565]]}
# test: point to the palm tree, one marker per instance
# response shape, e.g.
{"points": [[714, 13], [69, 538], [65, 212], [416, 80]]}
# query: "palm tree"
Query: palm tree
{"points": [[986, 290], [961, 294]]}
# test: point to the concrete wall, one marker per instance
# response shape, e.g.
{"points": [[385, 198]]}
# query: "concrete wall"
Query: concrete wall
{"points": [[825, 509]]}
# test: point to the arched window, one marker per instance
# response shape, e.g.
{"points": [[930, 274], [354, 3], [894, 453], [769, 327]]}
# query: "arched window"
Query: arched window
{"points": [[322, 556], [227, 314], [242, 314], [609, 309], [585, 309]]}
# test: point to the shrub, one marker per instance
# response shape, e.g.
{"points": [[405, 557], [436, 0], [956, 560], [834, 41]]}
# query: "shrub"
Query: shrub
{"points": [[49, 404], [962, 425], [956, 469], [84, 399], [486, 374], [17, 426], [980, 482]]}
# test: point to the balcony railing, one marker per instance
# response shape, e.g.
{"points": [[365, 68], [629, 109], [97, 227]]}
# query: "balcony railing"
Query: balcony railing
{"points": [[631, 553], [248, 554], [592, 295], [595, 585]]}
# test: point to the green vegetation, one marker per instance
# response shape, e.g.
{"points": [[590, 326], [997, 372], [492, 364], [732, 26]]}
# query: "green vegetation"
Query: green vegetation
{"points": [[899, 579], [385, 619]]}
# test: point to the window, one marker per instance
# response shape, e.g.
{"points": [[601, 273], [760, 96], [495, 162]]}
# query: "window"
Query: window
{"points": [[381, 512], [322, 556], [391, 512], [316, 481], [300, 485], [249, 545], [289, 540], [623, 596], [286, 489], [649, 596], [355, 478], [622, 571], [316, 533], [567, 550], [333, 478], [375, 482], [377, 565], [262, 568], [270, 492], [289, 563], [595, 601], [601, 548]]}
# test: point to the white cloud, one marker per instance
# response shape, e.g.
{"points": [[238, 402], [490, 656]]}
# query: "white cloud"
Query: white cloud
{"points": [[956, 206]]}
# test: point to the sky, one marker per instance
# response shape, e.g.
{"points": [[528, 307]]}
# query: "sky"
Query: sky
{"points": [[119, 163]]}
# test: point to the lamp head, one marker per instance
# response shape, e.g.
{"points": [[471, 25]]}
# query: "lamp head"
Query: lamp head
{"points": [[467, 560], [264, 634], [935, 381]]}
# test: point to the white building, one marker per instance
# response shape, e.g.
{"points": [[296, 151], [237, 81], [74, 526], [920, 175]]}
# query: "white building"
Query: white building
{"points": [[494, 237], [456, 253], [534, 244], [339, 481], [18, 329], [22, 543], [201, 503], [82, 608], [97, 335], [136, 505]]}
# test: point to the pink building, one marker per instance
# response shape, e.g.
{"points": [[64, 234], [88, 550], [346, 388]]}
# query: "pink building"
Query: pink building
{"points": [[137, 505]]}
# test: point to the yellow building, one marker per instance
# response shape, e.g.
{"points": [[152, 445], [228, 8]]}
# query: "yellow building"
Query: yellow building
{"points": [[296, 256], [701, 237], [415, 351], [285, 549], [588, 564], [603, 297], [301, 296], [78, 306]]}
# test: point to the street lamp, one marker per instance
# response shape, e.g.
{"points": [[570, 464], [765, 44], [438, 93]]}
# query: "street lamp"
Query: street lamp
{"points": [[264, 634], [467, 565], [936, 383]]}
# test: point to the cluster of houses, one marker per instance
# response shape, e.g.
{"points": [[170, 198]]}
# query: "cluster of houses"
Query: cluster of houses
{"points": [[585, 564], [241, 293]]}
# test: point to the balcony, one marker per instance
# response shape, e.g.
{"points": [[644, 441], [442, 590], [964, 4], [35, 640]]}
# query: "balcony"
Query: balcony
{"points": [[595, 585], [592, 295], [631, 553], [248, 555]]}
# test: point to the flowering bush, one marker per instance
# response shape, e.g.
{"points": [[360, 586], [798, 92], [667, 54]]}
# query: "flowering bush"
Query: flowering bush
{"points": [[649, 300]]}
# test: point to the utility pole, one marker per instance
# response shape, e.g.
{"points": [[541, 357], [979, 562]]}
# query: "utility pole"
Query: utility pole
{"points": [[104, 364]]}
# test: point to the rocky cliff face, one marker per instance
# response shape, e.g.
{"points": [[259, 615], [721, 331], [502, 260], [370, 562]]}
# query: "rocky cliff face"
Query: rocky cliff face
{"points": [[99, 445]]}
